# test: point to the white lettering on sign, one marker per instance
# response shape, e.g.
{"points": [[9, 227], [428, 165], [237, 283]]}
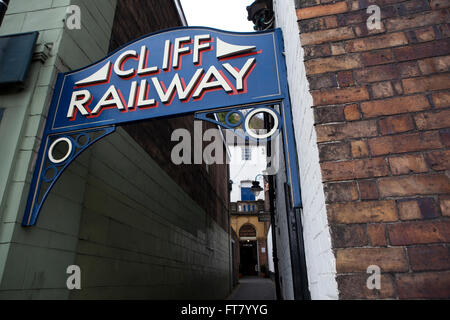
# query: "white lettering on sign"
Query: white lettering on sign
{"points": [[205, 83], [143, 60], [176, 85], [239, 75], [121, 61], [179, 49], [166, 59], [200, 47], [143, 100], [78, 104], [130, 64], [110, 98]]}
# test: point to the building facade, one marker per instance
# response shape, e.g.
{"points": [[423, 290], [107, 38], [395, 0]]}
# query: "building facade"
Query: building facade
{"points": [[135, 224], [250, 222], [247, 162]]}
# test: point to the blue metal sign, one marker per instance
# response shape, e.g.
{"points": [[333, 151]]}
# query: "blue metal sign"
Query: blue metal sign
{"points": [[166, 74]]}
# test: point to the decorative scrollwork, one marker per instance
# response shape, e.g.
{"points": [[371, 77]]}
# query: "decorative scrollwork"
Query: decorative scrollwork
{"points": [[55, 160], [241, 123]]}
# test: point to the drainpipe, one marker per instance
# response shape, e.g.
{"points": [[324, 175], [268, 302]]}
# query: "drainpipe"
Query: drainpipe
{"points": [[272, 221], [3, 7], [180, 12]]}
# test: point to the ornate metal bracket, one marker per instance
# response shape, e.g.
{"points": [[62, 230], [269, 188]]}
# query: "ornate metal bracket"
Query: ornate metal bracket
{"points": [[59, 151], [242, 93], [241, 126]]}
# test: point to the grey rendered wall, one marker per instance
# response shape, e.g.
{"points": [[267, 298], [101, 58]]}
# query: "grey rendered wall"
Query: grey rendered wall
{"points": [[114, 213], [33, 261], [141, 236]]}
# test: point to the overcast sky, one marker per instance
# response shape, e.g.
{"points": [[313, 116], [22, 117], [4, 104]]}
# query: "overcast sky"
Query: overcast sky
{"points": [[230, 15]]}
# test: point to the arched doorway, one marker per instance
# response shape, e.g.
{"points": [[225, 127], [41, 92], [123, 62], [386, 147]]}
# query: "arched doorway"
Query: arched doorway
{"points": [[248, 250]]}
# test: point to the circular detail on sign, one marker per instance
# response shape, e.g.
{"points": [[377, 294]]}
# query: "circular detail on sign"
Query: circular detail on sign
{"points": [[82, 140], [261, 110], [52, 147], [229, 114], [49, 178]]}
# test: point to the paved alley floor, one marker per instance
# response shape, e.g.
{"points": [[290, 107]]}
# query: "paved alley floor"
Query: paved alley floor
{"points": [[254, 288]]}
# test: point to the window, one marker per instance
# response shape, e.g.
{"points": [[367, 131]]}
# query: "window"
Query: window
{"points": [[247, 195], [246, 153]]}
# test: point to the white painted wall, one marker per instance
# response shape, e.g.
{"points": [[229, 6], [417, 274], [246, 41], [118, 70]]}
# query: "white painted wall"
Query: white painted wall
{"points": [[270, 250], [281, 223], [320, 259], [246, 170]]}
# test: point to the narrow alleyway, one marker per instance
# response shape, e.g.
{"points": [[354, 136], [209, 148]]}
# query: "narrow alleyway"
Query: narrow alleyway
{"points": [[254, 288]]}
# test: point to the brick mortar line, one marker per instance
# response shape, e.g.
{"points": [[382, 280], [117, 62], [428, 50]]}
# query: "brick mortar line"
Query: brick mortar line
{"points": [[397, 199], [387, 156], [353, 25], [390, 64], [380, 135], [345, 41], [348, 2], [394, 17]]}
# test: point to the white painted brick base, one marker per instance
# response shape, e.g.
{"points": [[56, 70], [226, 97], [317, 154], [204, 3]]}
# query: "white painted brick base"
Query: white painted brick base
{"points": [[320, 260]]}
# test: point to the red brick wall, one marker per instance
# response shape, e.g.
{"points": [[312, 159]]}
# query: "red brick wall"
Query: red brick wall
{"points": [[381, 103]]}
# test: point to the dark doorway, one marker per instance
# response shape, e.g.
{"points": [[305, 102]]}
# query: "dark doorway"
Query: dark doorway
{"points": [[249, 259]]}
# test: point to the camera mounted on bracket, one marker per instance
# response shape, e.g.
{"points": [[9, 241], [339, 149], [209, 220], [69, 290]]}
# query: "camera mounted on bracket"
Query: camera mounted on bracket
{"points": [[261, 13]]}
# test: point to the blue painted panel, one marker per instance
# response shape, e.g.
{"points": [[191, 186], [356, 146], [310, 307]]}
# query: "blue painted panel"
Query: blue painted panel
{"points": [[254, 91], [226, 55], [247, 195]]}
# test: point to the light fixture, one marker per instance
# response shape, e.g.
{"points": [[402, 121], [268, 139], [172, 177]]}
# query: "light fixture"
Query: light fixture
{"points": [[261, 13], [256, 188]]}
